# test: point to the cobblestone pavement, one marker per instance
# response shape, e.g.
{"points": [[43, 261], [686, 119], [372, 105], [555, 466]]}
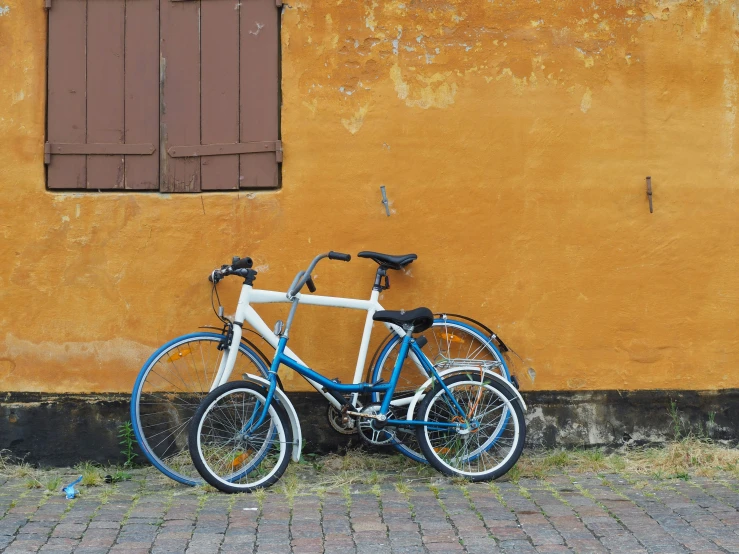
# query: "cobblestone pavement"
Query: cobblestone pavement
{"points": [[566, 512]]}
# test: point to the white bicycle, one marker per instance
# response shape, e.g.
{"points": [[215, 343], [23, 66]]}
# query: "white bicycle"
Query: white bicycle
{"points": [[178, 376]]}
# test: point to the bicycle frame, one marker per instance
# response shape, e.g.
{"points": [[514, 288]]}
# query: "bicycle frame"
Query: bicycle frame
{"points": [[245, 313], [312, 376]]}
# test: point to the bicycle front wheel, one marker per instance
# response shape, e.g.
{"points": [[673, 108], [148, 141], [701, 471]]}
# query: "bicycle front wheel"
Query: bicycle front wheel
{"points": [[168, 390], [492, 441], [446, 341], [229, 446]]}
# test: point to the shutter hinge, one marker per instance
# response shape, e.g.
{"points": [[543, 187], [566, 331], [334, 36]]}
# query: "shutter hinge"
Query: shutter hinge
{"points": [[278, 151], [47, 4], [47, 147], [278, 3]]}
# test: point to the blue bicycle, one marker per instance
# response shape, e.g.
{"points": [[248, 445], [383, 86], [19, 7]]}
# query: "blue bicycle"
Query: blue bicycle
{"points": [[467, 418]]}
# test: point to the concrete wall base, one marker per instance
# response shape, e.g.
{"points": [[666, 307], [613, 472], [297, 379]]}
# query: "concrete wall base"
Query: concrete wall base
{"points": [[61, 430]]}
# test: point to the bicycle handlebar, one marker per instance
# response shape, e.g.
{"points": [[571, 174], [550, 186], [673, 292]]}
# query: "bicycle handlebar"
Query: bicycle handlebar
{"points": [[241, 263], [339, 256], [240, 266]]}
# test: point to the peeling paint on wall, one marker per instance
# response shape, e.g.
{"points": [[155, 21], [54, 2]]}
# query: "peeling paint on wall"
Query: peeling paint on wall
{"points": [[354, 123], [437, 47], [587, 101], [730, 97]]}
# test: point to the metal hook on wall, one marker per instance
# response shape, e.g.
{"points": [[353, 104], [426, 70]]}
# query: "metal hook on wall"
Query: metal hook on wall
{"points": [[649, 194], [384, 200]]}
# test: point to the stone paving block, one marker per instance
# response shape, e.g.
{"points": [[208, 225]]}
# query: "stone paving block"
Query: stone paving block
{"points": [[341, 549], [552, 549], [405, 540], [481, 545], [69, 530], [516, 546], [408, 550], [28, 543], [444, 547]]}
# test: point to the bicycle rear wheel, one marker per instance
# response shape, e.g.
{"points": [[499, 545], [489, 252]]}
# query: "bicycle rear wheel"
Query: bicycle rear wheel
{"points": [[229, 449], [485, 450], [168, 390], [446, 341]]}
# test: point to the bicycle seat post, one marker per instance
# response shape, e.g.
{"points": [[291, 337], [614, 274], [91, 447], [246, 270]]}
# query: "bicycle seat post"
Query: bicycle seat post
{"points": [[379, 285]]}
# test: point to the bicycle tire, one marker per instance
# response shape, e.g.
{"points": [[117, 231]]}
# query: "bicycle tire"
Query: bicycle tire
{"points": [[167, 393], [411, 376], [480, 454], [227, 449]]}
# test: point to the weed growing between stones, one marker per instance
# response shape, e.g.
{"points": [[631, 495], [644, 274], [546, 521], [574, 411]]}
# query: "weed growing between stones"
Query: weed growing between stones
{"points": [[92, 474], [128, 442]]}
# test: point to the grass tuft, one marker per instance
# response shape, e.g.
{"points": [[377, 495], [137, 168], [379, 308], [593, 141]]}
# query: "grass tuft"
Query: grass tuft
{"points": [[53, 483], [92, 475], [681, 459], [260, 495], [686, 457]]}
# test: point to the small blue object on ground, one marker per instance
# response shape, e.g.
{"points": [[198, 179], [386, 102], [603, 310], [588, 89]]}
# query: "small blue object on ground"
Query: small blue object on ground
{"points": [[69, 490]]}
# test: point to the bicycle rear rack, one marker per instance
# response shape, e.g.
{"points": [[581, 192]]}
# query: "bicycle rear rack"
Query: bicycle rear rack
{"points": [[467, 364]]}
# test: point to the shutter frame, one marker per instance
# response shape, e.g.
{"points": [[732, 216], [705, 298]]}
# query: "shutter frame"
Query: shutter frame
{"points": [[166, 140]]}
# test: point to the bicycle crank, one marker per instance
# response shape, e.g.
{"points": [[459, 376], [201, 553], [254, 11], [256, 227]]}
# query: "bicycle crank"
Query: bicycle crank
{"points": [[342, 421], [372, 428]]}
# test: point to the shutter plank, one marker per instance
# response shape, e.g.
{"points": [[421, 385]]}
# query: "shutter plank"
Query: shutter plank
{"points": [[220, 91], [142, 91], [259, 89], [105, 33], [180, 93], [67, 115]]}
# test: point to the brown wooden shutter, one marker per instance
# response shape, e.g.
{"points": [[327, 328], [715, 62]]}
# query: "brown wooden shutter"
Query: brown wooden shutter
{"points": [[176, 95], [219, 95], [103, 89]]}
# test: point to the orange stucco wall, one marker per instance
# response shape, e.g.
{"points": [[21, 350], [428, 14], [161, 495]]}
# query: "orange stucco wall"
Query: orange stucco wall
{"points": [[513, 139]]}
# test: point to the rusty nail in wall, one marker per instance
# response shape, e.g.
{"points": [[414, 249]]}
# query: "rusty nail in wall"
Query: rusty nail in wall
{"points": [[649, 194]]}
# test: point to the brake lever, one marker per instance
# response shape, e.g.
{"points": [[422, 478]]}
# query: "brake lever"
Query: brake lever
{"points": [[311, 284]]}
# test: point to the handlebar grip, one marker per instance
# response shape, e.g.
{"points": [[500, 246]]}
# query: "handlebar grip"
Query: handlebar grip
{"points": [[311, 285], [242, 263], [339, 256]]}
